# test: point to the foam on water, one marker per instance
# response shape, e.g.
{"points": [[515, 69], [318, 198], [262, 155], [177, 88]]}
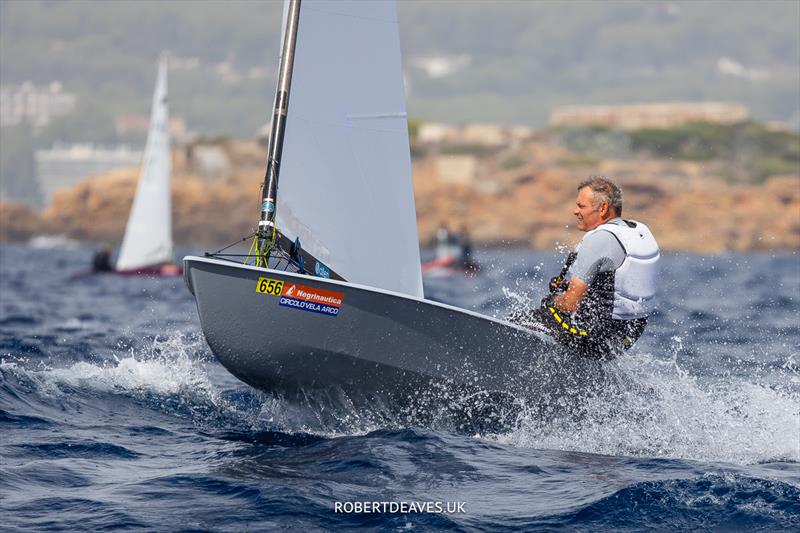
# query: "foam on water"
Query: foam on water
{"points": [[652, 407], [167, 372], [669, 413], [163, 367], [164, 372]]}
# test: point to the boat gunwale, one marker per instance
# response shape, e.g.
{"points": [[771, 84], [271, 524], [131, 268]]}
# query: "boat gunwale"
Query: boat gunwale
{"points": [[223, 262]]}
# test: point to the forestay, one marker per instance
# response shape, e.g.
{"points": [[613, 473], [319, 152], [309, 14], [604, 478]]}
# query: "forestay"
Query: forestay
{"points": [[148, 235], [345, 187]]}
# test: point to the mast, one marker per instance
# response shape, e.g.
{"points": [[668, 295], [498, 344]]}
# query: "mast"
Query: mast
{"points": [[266, 233]]}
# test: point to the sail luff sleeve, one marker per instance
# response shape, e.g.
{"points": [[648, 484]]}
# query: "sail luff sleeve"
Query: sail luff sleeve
{"points": [[269, 198]]}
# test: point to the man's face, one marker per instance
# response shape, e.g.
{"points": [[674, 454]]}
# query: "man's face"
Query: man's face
{"points": [[589, 216]]}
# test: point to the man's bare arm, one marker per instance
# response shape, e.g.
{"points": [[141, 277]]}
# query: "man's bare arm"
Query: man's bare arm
{"points": [[571, 299]]}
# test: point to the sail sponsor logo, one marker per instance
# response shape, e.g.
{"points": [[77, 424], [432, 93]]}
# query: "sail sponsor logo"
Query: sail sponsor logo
{"points": [[321, 270], [311, 299]]}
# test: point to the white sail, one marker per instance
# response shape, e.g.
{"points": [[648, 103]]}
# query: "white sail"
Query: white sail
{"points": [[148, 235], [345, 176]]}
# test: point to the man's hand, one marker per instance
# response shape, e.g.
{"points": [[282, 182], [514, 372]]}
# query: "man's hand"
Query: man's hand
{"points": [[571, 298], [558, 284]]}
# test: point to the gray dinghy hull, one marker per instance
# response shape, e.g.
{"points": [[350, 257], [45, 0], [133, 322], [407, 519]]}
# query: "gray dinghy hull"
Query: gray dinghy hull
{"points": [[372, 342]]}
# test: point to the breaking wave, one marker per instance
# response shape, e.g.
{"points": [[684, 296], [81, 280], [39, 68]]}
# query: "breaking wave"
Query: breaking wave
{"points": [[647, 406], [659, 410]]}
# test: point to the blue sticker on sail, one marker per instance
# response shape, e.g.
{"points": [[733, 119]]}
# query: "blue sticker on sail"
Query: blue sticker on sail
{"points": [[269, 207], [305, 305], [321, 270]]}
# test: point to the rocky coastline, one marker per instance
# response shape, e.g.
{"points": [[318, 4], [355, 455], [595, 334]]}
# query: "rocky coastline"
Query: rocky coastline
{"points": [[522, 196]]}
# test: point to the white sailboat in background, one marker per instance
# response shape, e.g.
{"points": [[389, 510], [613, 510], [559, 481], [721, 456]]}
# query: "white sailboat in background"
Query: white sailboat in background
{"points": [[348, 313], [147, 245]]}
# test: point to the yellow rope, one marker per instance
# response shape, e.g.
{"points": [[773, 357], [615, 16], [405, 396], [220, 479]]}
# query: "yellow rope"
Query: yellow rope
{"points": [[566, 325], [254, 251], [250, 251], [269, 248]]}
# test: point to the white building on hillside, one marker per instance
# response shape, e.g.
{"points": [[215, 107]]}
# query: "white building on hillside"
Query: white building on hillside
{"points": [[35, 104], [63, 167]]}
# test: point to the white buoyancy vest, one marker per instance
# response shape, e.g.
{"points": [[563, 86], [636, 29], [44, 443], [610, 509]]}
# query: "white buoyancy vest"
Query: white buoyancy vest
{"points": [[637, 278]]}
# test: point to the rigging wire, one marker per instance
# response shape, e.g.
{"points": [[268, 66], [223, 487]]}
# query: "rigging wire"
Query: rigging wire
{"points": [[231, 244]]}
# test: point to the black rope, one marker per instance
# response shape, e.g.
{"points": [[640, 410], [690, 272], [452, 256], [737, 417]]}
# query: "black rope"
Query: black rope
{"points": [[231, 244], [283, 260]]}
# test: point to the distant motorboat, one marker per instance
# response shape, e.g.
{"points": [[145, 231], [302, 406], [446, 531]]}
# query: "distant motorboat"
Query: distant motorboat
{"points": [[449, 266], [453, 256]]}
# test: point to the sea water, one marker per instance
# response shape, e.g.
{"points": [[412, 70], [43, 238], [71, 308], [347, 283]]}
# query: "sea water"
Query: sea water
{"points": [[114, 414]]}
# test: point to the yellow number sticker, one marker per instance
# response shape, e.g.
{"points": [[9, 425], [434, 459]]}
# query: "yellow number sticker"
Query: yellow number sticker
{"points": [[269, 286]]}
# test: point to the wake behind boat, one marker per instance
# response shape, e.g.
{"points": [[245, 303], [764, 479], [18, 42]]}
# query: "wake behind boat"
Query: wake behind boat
{"points": [[330, 294]]}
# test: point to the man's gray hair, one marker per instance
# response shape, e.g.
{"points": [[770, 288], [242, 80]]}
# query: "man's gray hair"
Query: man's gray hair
{"points": [[605, 190]]}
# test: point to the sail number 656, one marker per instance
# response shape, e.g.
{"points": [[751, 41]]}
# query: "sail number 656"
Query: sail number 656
{"points": [[269, 286]]}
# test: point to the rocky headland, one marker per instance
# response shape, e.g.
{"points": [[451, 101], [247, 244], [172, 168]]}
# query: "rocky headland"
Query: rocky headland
{"points": [[517, 196]]}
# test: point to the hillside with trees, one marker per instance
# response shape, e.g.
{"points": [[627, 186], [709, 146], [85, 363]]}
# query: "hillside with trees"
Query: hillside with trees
{"points": [[504, 61], [523, 57]]}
